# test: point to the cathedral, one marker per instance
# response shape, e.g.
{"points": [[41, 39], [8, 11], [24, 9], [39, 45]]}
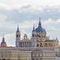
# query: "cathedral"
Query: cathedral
{"points": [[38, 47], [38, 39]]}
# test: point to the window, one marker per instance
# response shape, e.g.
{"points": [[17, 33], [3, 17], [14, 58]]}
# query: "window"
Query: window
{"points": [[50, 44], [37, 45], [45, 44], [32, 58], [3, 59], [40, 58], [32, 35], [41, 45], [18, 35]]}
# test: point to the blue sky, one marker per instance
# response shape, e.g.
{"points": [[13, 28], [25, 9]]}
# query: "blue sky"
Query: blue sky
{"points": [[26, 13]]}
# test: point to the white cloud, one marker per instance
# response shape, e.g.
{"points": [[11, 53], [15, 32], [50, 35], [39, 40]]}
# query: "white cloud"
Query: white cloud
{"points": [[2, 18], [34, 4], [10, 39], [27, 24]]}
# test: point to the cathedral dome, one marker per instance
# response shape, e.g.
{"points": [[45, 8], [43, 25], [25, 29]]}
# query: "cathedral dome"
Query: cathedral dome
{"points": [[39, 28]]}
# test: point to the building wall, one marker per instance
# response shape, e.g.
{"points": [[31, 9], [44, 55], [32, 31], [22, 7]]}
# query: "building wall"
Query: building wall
{"points": [[29, 53], [43, 54], [14, 54]]}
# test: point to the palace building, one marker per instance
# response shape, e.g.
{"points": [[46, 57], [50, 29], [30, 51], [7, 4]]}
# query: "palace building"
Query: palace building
{"points": [[38, 47]]}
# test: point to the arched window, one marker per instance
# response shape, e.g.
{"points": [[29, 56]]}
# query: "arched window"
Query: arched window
{"points": [[41, 45], [46, 44], [17, 35], [32, 35], [37, 45]]}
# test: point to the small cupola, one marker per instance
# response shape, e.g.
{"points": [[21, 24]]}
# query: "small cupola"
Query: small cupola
{"points": [[3, 43]]}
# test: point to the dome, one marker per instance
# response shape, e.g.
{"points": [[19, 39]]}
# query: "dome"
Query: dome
{"points": [[39, 28], [3, 43]]}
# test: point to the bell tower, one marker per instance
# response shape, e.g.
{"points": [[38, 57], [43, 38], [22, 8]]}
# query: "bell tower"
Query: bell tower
{"points": [[17, 37]]}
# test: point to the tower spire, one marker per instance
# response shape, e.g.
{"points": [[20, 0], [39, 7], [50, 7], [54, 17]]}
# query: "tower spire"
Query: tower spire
{"points": [[34, 27], [18, 28], [3, 43], [3, 39], [39, 21], [17, 36]]}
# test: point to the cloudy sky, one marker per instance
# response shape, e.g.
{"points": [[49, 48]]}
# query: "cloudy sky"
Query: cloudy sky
{"points": [[26, 13]]}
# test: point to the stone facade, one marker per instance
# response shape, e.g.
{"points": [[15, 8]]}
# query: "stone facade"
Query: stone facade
{"points": [[14, 53]]}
